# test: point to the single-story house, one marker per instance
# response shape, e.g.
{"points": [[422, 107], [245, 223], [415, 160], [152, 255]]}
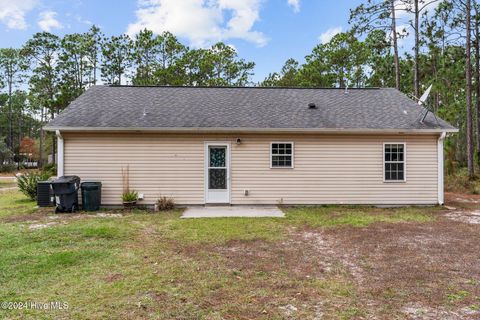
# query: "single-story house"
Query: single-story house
{"points": [[249, 146]]}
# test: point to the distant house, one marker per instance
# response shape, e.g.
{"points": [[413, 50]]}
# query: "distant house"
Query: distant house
{"points": [[254, 145]]}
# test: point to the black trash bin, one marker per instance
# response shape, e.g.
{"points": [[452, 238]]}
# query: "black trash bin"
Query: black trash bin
{"points": [[65, 190], [91, 195]]}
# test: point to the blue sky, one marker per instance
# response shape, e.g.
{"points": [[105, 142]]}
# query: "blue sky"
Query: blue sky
{"points": [[265, 31]]}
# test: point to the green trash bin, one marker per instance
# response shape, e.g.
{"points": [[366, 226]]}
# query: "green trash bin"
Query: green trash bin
{"points": [[91, 195]]}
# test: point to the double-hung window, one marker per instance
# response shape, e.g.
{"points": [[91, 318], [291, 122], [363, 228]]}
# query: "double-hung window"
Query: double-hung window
{"points": [[281, 155], [394, 162]]}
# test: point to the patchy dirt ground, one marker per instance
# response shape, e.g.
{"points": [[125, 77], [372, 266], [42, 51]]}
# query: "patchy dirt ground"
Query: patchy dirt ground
{"points": [[414, 271], [462, 199], [385, 270], [48, 218], [463, 207]]}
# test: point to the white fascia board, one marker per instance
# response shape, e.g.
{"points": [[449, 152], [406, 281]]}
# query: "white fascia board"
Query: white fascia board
{"points": [[250, 130]]}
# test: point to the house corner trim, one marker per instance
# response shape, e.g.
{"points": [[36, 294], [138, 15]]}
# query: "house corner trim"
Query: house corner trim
{"points": [[440, 165]]}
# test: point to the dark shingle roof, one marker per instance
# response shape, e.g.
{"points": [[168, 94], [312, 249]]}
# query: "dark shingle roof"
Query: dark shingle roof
{"points": [[214, 108]]}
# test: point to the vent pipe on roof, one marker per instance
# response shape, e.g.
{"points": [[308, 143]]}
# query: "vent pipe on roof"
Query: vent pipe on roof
{"points": [[312, 106]]}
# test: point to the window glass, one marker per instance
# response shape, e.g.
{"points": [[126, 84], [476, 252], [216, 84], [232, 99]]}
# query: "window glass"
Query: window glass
{"points": [[217, 157], [282, 155], [217, 179], [394, 155]]}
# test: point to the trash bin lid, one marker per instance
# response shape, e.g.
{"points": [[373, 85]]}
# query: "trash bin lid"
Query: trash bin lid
{"points": [[66, 179], [91, 185]]}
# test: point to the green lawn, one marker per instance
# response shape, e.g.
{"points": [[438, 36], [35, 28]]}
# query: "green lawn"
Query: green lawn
{"points": [[13, 203], [155, 265], [356, 216], [7, 183]]}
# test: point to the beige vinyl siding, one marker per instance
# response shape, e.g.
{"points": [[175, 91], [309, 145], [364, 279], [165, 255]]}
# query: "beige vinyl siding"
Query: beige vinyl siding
{"points": [[328, 168]]}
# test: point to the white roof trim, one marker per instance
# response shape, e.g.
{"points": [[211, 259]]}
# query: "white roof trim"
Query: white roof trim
{"points": [[248, 130]]}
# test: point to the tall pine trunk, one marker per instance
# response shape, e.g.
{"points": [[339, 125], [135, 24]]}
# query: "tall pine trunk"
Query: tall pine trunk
{"points": [[40, 151], [395, 45], [477, 77], [95, 68], [10, 113], [20, 130], [470, 147], [417, 51]]}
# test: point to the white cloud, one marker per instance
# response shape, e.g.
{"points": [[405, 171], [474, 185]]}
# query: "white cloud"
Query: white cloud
{"points": [[12, 12], [84, 21], [404, 10], [401, 9], [47, 21], [405, 16], [329, 34], [295, 4], [201, 21]]}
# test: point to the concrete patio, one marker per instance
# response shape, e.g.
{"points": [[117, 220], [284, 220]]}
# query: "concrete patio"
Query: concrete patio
{"points": [[236, 211]]}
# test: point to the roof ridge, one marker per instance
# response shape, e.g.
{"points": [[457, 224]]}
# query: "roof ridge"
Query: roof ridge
{"points": [[236, 87]]}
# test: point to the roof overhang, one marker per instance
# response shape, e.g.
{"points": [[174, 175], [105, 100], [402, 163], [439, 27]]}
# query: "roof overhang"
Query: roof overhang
{"points": [[252, 130]]}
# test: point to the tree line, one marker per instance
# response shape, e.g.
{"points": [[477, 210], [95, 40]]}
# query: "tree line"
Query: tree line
{"points": [[445, 54], [42, 77]]}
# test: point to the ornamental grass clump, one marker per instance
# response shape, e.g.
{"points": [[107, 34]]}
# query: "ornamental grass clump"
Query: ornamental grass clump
{"points": [[27, 182], [165, 204], [129, 197]]}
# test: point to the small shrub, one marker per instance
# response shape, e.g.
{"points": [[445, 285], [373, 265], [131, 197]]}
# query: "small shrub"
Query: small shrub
{"points": [[27, 183], [9, 167], [130, 196], [6, 155], [51, 167], [460, 182], [165, 204], [475, 189], [127, 195]]}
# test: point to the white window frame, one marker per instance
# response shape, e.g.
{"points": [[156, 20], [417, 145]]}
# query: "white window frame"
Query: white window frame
{"points": [[404, 162], [293, 154]]}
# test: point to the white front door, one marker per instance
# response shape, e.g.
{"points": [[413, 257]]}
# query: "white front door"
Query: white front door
{"points": [[217, 172]]}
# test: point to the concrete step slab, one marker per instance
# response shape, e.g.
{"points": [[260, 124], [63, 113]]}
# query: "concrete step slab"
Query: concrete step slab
{"points": [[233, 211]]}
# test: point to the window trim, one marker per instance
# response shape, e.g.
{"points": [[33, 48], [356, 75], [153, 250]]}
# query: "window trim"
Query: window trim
{"points": [[404, 163], [293, 154]]}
